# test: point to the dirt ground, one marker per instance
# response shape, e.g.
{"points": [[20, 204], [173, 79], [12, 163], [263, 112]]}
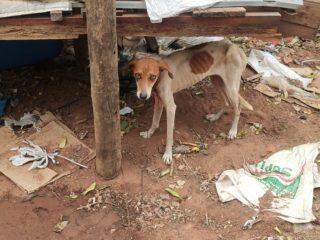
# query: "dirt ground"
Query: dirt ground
{"points": [[135, 205]]}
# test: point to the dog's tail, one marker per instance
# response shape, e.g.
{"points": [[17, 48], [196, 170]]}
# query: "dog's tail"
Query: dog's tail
{"points": [[245, 104]]}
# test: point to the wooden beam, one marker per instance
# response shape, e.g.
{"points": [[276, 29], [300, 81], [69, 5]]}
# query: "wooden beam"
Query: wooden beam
{"points": [[220, 12], [303, 22], [102, 38], [139, 25]]}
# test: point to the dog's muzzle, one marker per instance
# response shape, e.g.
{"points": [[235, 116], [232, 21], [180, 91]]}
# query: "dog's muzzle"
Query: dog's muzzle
{"points": [[143, 95]]}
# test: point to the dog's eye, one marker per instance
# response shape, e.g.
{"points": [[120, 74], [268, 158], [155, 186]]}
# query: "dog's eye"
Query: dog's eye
{"points": [[137, 76], [153, 77]]}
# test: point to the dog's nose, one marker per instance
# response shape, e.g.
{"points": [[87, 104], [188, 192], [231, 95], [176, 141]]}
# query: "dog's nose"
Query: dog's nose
{"points": [[143, 96]]}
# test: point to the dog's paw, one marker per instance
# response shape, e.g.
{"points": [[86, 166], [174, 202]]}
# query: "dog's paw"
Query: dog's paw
{"points": [[232, 133], [212, 117], [167, 157], [145, 134]]}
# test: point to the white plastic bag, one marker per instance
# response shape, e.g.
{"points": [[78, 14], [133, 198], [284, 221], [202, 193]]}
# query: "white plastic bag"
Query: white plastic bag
{"points": [[266, 64], [290, 175]]}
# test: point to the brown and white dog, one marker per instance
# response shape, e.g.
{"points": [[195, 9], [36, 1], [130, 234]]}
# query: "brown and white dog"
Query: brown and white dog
{"points": [[180, 70]]}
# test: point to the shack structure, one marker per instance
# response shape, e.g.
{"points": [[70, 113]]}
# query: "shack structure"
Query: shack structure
{"points": [[102, 21]]}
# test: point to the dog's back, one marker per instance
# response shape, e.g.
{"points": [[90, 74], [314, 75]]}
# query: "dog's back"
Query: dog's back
{"points": [[194, 64]]}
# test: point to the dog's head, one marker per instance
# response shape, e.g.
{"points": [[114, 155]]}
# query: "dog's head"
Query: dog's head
{"points": [[146, 72]]}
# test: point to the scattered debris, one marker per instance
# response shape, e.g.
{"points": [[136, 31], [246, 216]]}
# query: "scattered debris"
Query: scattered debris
{"points": [[125, 111], [304, 71], [186, 148], [83, 134], [182, 149], [280, 174], [253, 79], [35, 154], [58, 228], [269, 66], [242, 134], [29, 197], [63, 142], [89, 189], [39, 157], [173, 193], [249, 223], [27, 120], [72, 196], [165, 172], [266, 90], [180, 183], [52, 130], [256, 127]]}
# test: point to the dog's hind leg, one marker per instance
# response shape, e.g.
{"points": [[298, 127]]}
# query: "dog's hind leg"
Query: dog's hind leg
{"points": [[157, 112], [234, 100], [235, 64], [212, 117]]}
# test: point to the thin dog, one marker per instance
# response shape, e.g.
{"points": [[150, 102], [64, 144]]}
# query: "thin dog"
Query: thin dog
{"points": [[180, 70]]}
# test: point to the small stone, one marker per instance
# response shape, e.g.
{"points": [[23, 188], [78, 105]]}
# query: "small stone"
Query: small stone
{"points": [[222, 135], [303, 117], [181, 167], [183, 149], [112, 230], [164, 197]]}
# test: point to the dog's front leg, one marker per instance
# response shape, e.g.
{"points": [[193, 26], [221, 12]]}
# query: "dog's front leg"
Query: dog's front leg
{"points": [[170, 110], [157, 112]]}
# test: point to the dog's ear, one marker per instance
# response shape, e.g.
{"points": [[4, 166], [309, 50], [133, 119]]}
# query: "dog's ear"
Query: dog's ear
{"points": [[163, 65], [132, 63]]}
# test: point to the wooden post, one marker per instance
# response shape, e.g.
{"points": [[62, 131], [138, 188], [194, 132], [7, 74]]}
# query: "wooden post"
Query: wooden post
{"points": [[102, 39]]}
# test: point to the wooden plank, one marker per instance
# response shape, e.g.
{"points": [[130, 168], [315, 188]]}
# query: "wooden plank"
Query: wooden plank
{"points": [[103, 51], [291, 29], [220, 12], [186, 25], [308, 15], [71, 27]]}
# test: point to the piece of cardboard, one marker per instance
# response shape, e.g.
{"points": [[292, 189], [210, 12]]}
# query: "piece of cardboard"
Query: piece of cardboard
{"points": [[30, 181], [52, 131]]}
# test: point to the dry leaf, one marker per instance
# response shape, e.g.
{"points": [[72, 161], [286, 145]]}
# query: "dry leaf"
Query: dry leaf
{"points": [[173, 193], [72, 196], [165, 172], [63, 143], [58, 228], [89, 189], [266, 90]]}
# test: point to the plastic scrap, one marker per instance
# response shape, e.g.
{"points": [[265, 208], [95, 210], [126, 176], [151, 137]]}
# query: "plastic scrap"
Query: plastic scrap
{"points": [[266, 64], [250, 222], [288, 176], [125, 111], [39, 157], [26, 120]]}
